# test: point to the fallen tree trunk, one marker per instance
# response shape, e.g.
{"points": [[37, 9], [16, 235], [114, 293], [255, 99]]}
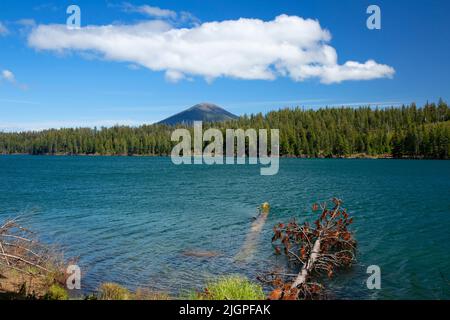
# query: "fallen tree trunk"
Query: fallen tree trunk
{"points": [[308, 267], [251, 240], [315, 252]]}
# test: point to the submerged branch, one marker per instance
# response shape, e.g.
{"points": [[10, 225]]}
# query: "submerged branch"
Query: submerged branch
{"points": [[320, 249]]}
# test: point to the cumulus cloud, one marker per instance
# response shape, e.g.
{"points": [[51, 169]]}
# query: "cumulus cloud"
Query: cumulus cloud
{"points": [[3, 29], [252, 49]]}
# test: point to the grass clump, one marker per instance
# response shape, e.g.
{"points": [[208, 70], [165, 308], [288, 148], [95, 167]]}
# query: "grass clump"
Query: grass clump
{"points": [[113, 291], [143, 294], [233, 287], [56, 292]]}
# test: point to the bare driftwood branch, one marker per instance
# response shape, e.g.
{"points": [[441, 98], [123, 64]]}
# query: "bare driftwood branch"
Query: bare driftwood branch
{"points": [[3, 253], [21, 251]]}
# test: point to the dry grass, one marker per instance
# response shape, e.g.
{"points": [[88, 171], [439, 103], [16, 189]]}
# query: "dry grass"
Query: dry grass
{"points": [[114, 291], [16, 284], [28, 268]]}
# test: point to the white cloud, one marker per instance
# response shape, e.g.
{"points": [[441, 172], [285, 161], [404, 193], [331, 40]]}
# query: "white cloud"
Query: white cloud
{"points": [[8, 76], [251, 49], [188, 18], [182, 18], [132, 66], [25, 26], [3, 30], [150, 11], [26, 22], [46, 7]]}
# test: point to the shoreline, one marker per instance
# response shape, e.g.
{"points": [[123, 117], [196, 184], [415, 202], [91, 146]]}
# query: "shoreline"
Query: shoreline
{"points": [[360, 156]]}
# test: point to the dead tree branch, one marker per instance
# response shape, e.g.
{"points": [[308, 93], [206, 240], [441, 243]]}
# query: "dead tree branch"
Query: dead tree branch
{"points": [[21, 251], [321, 248]]}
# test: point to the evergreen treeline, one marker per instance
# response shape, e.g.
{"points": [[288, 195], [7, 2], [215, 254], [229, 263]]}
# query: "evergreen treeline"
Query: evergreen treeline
{"points": [[407, 131]]}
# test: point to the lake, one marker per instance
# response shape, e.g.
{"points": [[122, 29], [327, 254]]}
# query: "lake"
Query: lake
{"points": [[130, 219]]}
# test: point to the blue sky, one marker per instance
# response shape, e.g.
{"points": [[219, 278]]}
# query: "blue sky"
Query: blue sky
{"points": [[42, 86]]}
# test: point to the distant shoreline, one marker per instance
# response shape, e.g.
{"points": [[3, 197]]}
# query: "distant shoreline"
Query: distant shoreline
{"points": [[351, 156]]}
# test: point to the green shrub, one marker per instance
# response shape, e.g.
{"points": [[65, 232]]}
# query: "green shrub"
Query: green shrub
{"points": [[56, 292], [231, 288], [113, 291]]}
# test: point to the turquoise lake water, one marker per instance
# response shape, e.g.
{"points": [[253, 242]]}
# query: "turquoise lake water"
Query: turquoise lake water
{"points": [[129, 219]]}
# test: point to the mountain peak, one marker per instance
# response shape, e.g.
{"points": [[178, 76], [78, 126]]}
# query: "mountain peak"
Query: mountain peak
{"points": [[206, 106], [205, 111]]}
